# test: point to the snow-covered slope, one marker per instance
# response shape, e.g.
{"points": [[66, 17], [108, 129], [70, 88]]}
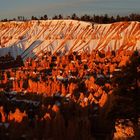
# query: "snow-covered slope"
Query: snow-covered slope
{"points": [[30, 39]]}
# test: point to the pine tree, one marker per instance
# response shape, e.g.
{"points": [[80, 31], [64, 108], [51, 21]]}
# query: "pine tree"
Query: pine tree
{"points": [[127, 90]]}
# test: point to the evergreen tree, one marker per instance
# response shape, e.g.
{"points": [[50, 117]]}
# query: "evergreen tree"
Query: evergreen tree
{"points": [[45, 17], [127, 91]]}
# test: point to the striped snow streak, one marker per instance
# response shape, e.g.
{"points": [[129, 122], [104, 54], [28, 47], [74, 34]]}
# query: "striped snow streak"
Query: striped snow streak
{"points": [[32, 38]]}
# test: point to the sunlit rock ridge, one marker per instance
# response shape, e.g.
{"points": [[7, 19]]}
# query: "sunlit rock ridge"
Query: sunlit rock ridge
{"points": [[32, 38]]}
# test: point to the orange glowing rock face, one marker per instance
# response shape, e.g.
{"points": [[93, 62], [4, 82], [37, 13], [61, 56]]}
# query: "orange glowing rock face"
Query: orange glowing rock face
{"points": [[17, 116], [103, 100], [47, 116], [3, 114], [124, 131], [51, 84], [55, 108]]}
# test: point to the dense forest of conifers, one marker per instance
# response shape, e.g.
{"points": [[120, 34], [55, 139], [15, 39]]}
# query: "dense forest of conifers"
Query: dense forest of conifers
{"points": [[90, 18]]}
